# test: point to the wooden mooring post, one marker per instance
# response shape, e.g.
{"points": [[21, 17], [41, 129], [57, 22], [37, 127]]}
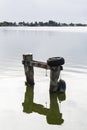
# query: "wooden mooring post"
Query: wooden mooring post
{"points": [[29, 70], [54, 64]]}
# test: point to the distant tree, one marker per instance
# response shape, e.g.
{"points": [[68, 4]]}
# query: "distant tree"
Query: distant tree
{"points": [[64, 24], [31, 24], [49, 23], [36, 24], [41, 24], [79, 24], [46, 24], [71, 24], [52, 23], [59, 24], [21, 23]]}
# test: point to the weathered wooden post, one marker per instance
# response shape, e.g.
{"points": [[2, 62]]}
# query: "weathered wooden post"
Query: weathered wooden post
{"points": [[54, 64], [55, 68], [29, 70], [54, 76]]}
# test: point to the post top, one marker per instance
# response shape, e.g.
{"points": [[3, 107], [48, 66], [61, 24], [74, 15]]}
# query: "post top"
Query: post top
{"points": [[27, 54]]}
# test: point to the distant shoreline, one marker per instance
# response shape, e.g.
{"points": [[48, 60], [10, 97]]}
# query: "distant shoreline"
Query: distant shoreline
{"points": [[50, 23]]}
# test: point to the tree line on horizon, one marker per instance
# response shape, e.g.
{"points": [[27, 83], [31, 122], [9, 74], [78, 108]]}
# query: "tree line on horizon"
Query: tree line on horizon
{"points": [[49, 23]]}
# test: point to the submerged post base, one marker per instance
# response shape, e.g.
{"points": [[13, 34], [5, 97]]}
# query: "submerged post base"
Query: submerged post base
{"points": [[60, 87], [54, 76]]}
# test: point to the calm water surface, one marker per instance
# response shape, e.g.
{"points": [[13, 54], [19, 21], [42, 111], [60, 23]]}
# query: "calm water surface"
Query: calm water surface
{"points": [[22, 107]]}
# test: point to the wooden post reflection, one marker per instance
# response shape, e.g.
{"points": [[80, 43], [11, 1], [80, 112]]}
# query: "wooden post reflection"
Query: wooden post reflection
{"points": [[53, 114]]}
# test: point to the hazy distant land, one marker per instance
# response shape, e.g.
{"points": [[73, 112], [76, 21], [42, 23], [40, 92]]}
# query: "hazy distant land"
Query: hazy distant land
{"points": [[37, 24]]}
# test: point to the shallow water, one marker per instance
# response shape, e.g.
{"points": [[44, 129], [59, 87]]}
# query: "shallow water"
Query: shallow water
{"points": [[22, 107]]}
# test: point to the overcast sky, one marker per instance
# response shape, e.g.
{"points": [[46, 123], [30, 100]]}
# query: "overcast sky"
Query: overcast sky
{"points": [[44, 10]]}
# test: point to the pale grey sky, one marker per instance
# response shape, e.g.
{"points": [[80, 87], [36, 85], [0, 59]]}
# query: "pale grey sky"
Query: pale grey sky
{"points": [[44, 10]]}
